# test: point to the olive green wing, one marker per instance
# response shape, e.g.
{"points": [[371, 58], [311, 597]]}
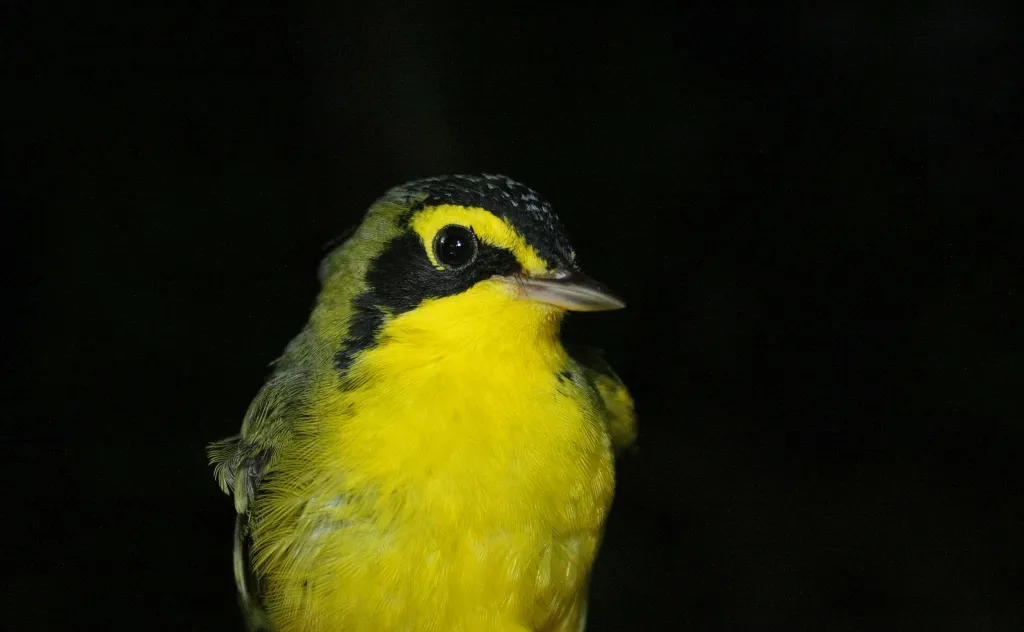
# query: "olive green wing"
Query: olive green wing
{"points": [[238, 468], [619, 413], [241, 461], [612, 393]]}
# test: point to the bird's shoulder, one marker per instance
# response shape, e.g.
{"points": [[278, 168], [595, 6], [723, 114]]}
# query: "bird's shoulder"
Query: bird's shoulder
{"points": [[241, 460], [612, 395]]}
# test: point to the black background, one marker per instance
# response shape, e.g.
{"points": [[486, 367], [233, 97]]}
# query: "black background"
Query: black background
{"points": [[809, 210]]}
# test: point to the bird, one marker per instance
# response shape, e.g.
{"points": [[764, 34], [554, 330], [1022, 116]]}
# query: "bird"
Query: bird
{"points": [[426, 453]]}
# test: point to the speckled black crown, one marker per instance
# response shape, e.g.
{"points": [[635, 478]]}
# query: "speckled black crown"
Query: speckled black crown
{"points": [[516, 203]]}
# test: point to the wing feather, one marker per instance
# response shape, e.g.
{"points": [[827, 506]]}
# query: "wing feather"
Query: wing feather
{"points": [[613, 394]]}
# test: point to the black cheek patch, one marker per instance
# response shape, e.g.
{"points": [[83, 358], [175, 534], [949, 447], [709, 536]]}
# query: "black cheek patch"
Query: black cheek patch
{"points": [[362, 331], [402, 277]]}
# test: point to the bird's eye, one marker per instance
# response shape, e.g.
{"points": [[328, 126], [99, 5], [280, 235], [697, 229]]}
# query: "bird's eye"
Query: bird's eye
{"points": [[455, 246]]}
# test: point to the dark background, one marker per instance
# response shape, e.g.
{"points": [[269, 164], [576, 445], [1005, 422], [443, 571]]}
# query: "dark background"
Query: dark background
{"points": [[810, 212]]}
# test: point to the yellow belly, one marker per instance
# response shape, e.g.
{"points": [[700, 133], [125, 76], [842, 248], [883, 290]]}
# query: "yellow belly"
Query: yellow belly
{"points": [[459, 550], [468, 581], [439, 495]]}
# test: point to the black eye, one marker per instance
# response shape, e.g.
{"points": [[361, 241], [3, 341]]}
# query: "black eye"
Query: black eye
{"points": [[455, 246]]}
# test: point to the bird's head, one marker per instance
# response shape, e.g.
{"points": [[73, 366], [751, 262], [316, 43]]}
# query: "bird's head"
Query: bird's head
{"points": [[462, 259]]}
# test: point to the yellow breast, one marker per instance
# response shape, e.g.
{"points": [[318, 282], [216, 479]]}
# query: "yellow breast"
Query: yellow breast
{"points": [[456, 481]]}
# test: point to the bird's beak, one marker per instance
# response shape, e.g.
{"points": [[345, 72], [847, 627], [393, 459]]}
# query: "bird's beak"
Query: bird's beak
{"points": [[567, 289]]}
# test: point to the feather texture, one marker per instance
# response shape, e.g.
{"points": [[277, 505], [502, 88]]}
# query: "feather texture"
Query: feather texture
{"points": [[426, 455]]}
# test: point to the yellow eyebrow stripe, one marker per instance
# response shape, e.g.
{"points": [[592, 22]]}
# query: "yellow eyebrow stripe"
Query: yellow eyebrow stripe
{"points": [[488, 228]]}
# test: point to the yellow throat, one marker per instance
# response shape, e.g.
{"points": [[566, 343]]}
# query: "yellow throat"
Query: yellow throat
{"points": [[473, 483], [427, 456]]}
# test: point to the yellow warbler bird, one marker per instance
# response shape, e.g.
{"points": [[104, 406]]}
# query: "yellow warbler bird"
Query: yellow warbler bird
{"points": [[426, 455]]}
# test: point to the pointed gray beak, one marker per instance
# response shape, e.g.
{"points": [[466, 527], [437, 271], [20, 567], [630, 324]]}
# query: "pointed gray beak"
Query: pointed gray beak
{"points": [[567, 289]]}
